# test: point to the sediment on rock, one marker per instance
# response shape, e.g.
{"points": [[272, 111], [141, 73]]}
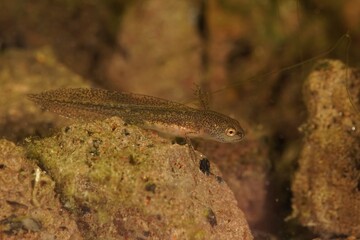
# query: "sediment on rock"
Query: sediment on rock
{"points": [[123, 182], [326, 186]]}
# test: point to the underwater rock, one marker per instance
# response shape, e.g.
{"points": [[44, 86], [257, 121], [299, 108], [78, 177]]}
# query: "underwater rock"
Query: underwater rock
{"points": [[245, 167], [30, 71], [29, 207], [123, 182], [326, 187], [159, 51]]}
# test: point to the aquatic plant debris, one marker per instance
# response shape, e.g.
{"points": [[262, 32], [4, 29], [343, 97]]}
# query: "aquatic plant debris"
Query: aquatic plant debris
{"points": [[137, 186], [145, 111]]}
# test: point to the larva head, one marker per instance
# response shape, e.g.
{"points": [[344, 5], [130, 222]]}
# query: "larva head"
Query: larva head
{"points": [[224, 129]]}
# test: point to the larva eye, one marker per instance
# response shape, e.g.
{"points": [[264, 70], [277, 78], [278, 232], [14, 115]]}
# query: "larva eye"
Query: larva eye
{"points": [[230, 132]]}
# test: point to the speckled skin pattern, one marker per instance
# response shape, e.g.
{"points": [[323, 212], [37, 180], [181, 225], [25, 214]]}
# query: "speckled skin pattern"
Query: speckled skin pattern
{"points": [[145, 111]]}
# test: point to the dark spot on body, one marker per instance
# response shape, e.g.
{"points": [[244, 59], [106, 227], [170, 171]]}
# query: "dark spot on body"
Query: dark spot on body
{"points": [[205, 166], [150, 187], [2, 166], [89, 133], [211, 217]]}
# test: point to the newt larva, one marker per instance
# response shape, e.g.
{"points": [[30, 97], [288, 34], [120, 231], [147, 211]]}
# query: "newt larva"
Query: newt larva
{"points": [[144, 111]]}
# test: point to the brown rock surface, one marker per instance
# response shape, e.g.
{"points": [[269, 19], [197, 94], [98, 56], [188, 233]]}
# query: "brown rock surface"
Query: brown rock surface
{"points": [[326, 186], [126, 183], [29, 206]]}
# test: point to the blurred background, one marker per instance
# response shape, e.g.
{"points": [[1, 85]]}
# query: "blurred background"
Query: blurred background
{"points": [[251, 56]]}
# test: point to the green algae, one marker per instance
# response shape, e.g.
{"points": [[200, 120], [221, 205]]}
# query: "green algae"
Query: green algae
{"points": [[122, 182]]}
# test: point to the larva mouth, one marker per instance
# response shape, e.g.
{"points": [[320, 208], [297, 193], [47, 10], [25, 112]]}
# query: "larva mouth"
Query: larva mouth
{"points": [[241, 134], [238, 137]]}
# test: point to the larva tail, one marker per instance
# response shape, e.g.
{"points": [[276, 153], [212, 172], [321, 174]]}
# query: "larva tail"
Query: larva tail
{"points": [[69, 103]]}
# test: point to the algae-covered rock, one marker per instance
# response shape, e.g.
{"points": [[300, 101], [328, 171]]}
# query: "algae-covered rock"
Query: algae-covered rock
{"points": [[327, 185], [126, 183], [29, 207], [29, 71]]}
